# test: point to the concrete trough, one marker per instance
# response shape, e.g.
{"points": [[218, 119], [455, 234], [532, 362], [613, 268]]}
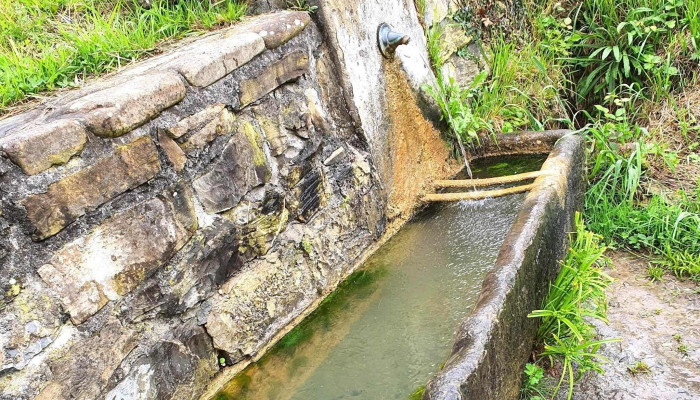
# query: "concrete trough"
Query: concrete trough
{"points": [[493, 344]]}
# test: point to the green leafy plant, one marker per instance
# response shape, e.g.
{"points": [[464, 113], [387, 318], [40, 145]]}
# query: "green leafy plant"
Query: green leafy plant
{"points": [[640, 367], [576, 296], [578, 291], [301, 5], [534, 384], [612, 201], [421, 8], [655, 272], [518, 92], [684, 264], [435, 51], [641, 43]]}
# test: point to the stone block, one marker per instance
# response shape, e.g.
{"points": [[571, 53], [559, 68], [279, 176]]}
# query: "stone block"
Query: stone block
{"points": [[175, 154], [37, 148], [116, 256], [257, 301], [241, 167], [174, 367], [278, 28], [102, 353], [129, 166], [221, 123], [116, 110], [27, 326], [210, 59], [195, 121], [292, 66]]}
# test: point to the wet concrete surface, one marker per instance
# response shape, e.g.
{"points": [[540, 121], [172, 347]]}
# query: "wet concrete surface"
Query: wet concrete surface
{"points": [[659, 323]]}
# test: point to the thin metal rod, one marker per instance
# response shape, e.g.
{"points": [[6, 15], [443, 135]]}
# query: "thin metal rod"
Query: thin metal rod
{"points": [[466, 183], [478, 195]]}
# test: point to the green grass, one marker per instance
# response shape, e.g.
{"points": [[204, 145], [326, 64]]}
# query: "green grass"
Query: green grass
{"points": [[576, 297], [683, 264], [655, 272], [618, 207], [521, 91], [650, 44], [49, 44]]}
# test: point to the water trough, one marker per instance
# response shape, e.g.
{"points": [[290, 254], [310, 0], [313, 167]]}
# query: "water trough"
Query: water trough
{"points": [[388, 327]]}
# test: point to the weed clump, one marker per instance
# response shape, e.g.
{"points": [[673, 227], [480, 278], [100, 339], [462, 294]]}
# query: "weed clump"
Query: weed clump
{"points": [[576, 297], [640, 367]]}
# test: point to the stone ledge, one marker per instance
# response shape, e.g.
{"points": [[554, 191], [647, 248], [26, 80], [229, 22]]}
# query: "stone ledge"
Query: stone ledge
{"points": [[71, 197], [117, 105], [36, 149], [206, 61], [116, 110], [278, 28]]}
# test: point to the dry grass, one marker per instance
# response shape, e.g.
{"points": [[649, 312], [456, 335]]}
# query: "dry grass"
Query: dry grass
{"points": [[674, 125]]}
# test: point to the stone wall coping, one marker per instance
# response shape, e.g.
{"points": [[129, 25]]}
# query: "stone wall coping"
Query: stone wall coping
{"points": [[55, 131]]}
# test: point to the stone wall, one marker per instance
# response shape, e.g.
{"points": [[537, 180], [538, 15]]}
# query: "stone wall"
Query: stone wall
{"points": [[190, 208]]}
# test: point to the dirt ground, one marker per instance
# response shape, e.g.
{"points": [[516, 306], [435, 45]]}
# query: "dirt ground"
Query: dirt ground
{"points": [[659, 324]]}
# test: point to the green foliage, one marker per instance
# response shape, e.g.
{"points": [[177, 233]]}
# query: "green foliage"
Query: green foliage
{"points": [[659, 225], [420, 7], [655, 272], [684, 264], [606, 44], [614, 206], [534, 384], [301, 5], [521, 91], [578, 291], [435, 51], [46, 45], [640, 367], [576, 296]]}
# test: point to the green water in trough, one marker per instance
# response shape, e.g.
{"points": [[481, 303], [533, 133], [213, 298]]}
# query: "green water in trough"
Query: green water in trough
{"points": [[388, 327]]}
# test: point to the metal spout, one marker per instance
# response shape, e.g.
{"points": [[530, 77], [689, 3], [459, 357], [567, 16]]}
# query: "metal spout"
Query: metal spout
{"points": [[390, 40]]}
